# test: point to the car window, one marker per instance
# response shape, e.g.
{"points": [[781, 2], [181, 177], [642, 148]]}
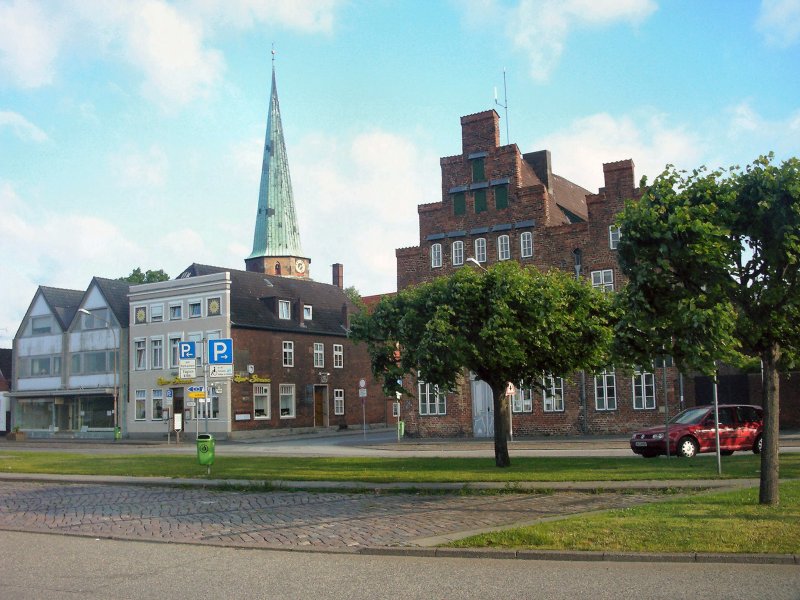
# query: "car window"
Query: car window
{"points": [[690, 416], [726, 416], [747, 414]]}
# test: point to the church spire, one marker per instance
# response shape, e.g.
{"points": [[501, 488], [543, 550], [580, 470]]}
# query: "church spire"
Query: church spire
{"points": [[276, 241]]}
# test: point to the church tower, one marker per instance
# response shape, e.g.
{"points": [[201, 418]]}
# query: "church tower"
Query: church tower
{"points": [[276, 242]]}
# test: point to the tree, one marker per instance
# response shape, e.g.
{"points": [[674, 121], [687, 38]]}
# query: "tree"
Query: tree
{"points": [[505, 324], [712, 260], [149, 276]]}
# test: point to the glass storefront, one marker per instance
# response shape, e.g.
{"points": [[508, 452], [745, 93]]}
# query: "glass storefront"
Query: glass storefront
{"points": [[70, 414]]}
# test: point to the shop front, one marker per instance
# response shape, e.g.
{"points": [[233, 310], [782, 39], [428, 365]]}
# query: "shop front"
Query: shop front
{"points": [[65, 415]]}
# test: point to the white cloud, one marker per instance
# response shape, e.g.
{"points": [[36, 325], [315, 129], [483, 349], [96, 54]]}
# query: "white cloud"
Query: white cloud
{"points": [[580, 151], [135, 169], [29, 42], [22, 128], [779, 22], [541, 28], [749, 134], [310, 16]]}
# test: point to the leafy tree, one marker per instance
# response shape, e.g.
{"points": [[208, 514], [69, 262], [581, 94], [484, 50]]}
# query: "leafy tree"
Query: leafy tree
{"points": [[505, 324], [354, 296], [712, 260], [137, 276]]}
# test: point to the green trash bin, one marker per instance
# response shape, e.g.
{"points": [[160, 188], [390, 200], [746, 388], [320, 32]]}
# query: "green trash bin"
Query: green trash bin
{"points": [[117, 433], [205, 449]]}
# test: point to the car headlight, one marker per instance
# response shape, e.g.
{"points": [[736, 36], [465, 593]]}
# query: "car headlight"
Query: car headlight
{"points": [[658, 436]]}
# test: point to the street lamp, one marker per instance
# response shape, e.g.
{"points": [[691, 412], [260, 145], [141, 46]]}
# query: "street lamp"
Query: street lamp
{"points": [[116, 370], [477, 264]]}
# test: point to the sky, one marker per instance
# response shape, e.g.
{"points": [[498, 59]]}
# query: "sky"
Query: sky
{"points": [[131, 132]]}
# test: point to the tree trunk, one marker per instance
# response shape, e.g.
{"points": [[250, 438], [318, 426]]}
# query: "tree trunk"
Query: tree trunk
{"points": [[769, 491], [501, 408]]}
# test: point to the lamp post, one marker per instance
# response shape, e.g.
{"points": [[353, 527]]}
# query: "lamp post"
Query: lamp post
{"points": [[116, 363], [477, 264]]}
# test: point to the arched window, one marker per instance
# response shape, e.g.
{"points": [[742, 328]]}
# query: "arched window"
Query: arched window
{"points": [[436, 255], [526, 245], [480, 250], [503, 248], [458, 253]]}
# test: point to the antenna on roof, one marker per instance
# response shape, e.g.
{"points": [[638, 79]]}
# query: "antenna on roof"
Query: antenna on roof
{"points": [[505, 100]]}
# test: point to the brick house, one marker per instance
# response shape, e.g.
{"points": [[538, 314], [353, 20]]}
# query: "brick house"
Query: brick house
{"points": [[499, 204]]}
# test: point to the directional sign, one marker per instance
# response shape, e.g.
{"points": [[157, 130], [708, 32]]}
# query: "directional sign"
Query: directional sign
{"points": [[220, 352], [195, 388], [197, 394], [186, 350]]}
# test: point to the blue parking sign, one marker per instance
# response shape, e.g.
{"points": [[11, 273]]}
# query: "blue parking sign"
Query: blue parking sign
{"points": [[220, 352], [186, 350]]}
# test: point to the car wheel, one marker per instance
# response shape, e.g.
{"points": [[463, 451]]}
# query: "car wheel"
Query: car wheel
{"points": [[757, 446], [687, 447]]}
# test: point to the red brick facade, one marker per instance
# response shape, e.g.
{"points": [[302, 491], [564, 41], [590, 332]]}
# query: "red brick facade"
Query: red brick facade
{"points": [[497, 194]]}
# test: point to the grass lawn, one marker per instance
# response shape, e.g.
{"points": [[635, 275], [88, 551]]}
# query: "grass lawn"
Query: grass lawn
{"points": [[377, 470], [708, 522]]}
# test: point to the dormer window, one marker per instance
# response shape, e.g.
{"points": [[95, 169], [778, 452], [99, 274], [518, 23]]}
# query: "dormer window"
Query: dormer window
{"points": [[308, 312], [284, 309]]}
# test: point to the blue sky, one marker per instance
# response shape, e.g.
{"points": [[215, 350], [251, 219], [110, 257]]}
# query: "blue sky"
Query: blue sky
{"points": [[131, 131]]}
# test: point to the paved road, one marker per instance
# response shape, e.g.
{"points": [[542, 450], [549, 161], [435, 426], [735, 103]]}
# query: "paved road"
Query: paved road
{"points": [[34, 566]]}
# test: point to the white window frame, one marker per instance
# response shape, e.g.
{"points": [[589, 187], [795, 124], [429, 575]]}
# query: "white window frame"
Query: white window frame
{"points": [[605, 391], [140, 350], [176, 311], [156, 313], [210, 404], [431, 401], [436, 255], [458, 253], [614, 235], [174, 350], [526, 244], [195, 303], [338, 402], [503, 247], [157, 405], [643, 387], [552, 394], [480, 250], [603, 280], [140, 405], [308, 312], [262, 390], [287, 391], [288, 353], [319, 355], [284, 310], [338, 356], [522, 400], [157, 342]]}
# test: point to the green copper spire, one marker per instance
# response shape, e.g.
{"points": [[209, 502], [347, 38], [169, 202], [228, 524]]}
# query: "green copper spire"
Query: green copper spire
{"points": [[276, 232]]}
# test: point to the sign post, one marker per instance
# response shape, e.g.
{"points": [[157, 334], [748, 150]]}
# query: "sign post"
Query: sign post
{"points": [[219, 363], [362, 393]]}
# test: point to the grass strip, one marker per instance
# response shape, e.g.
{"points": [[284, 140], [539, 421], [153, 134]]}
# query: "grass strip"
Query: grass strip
{"points": [[730, 522], [385, 470]]}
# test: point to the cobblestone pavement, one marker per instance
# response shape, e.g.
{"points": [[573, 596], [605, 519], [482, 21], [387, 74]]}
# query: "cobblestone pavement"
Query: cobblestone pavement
{"points": [[280, 519]]}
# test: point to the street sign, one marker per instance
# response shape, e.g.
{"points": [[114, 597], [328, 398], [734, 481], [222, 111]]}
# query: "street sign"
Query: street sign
{"points": [[194, 388], [362, 393], [190, 404], [220, 352], [186, 351], [220, 370], [187, 372], [197, 395]]}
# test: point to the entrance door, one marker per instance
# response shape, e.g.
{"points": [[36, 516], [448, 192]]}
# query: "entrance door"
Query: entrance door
{"points": [[482, 409], [320, 406]]}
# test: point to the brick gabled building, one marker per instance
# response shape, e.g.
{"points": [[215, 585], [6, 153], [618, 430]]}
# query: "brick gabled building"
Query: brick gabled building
{"points": [[500, 204]]}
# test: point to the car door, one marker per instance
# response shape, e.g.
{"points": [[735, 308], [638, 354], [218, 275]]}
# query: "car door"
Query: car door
{"points": [[747, 427], [727, 428]]}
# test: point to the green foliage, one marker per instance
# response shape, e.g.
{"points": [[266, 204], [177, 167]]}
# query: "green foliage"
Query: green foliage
{"points": [[354, 296], [712, 261], [137, 276], [509, 323]]}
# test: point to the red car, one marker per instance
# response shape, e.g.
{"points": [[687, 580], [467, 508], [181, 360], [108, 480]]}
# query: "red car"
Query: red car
{"points": [[692, 431]]}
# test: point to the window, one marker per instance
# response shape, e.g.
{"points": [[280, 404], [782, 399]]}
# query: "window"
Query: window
{"points": [[213, 307], [156, 353], [480, 201], [436, 255], [98, 319], [338, 356], [459, 203], [45, 365], [319, 355], [644, 390], [95, 362], [603, 280], [209, 407], [140, 404], [76, 367], [503, 248], [174, 351], [41, 325], [287, 400], [431, 401], [140, 355], [458, 253], [156, 313], [605, 391], [526, 245], [501, 196], [478, 169], [480, 249], [614, 234], [175, 312], [308, 312], [522, 401], [284, 309], [261, 403], [157, 409], [288, 354], [553, 394], [195, 309], [338, 402]]}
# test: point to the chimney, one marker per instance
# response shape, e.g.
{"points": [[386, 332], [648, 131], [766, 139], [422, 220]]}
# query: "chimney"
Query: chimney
{"points": [[338, 275], [542, 165]]}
